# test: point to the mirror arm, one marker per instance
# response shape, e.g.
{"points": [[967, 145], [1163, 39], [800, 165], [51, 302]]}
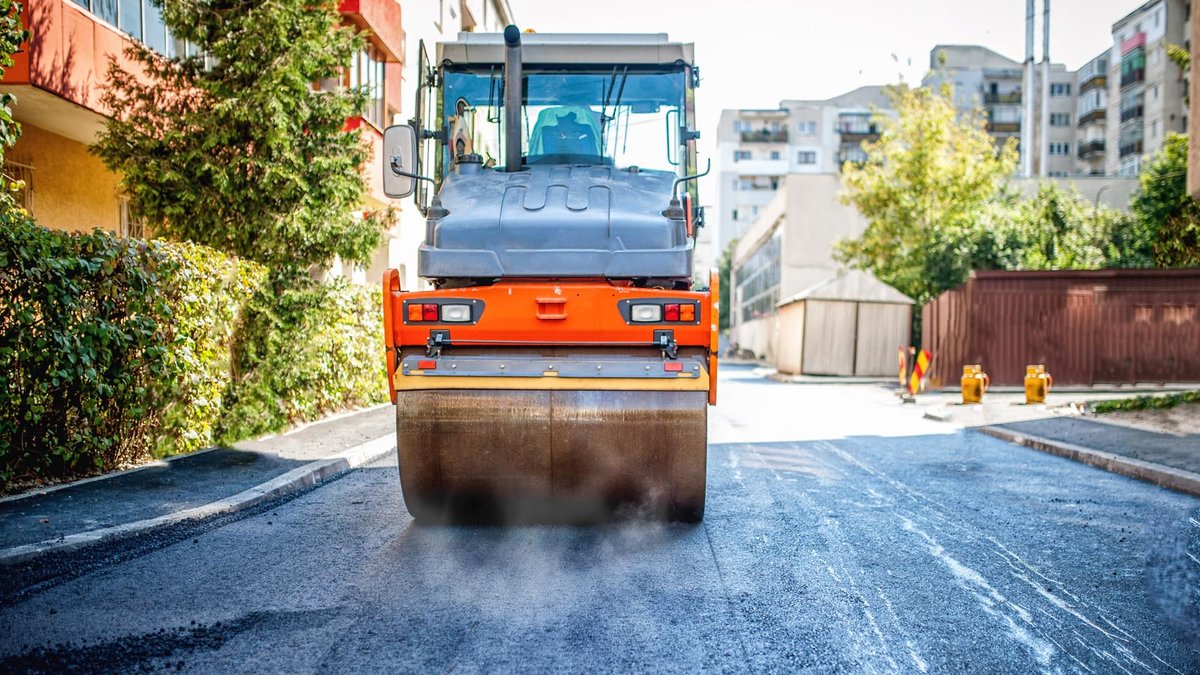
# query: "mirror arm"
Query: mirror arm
{"points": [[684, 179], [396, 169]]}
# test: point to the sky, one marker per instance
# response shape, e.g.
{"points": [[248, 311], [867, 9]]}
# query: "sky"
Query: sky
{"points": [[755, 53]]}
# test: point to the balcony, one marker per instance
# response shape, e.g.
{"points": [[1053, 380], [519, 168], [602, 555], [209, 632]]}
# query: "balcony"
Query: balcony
{"points": [[765, 136], [1010, 98], [1091, 148], [1003, 127], [1132, 113], [1134, 148], [857, 133], [1132, 77], [1096, 114]]}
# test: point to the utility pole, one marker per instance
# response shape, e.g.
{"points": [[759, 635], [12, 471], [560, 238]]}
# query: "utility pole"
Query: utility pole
{"points": [[1027, 87], [1044, 145]]}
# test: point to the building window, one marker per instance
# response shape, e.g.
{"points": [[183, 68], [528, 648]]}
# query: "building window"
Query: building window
{"points": [[757, 281], [128, 226], [140, 19], [1154, 93], [1060, 148], [23, 175], [741, 155], [1060, 119], [1155, 55], [806, 157], [1154, 129], [1060, 89], [367, 72], [735, 214], [741, 125], [808, 128]]}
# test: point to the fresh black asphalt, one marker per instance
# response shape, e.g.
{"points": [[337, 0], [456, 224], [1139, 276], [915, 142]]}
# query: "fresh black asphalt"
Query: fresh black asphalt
{"points": [[182, 483], [913, 549], [1180, 452]]}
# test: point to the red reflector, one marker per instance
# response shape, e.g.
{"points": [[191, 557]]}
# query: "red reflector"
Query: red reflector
{"points": [[671, 312], [429, 312], [673, 367], [427, 365]]}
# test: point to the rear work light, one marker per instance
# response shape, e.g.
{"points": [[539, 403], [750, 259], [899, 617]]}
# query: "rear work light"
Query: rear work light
{"points": [[456, 313], [663, 312], [645, 313]]}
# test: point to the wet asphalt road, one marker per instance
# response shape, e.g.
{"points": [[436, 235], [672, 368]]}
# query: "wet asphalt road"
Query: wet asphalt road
{"points": [[843, 533]]}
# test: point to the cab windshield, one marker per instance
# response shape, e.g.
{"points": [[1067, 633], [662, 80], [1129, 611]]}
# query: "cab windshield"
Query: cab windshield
{"points": [[617, 117]]}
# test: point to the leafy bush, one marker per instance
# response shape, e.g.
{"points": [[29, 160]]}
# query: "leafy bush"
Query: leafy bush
{"points": [[207, 291], [114, 350], [306, 349], [83, 349], [1147, 402]]}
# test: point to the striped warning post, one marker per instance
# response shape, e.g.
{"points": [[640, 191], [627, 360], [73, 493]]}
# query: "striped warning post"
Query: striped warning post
{"points": [[919, 369], [903, 367]]}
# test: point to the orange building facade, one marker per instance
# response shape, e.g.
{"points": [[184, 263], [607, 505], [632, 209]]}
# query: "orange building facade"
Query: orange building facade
{"points": [[58, 75]]}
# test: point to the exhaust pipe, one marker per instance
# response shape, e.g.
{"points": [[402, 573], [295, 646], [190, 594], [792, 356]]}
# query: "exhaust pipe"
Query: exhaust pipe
{"points": [[512, 98]]}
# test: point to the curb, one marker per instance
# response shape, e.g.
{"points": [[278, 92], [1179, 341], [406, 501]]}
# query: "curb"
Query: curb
{"points": [[1163, 476], [297, 479]]}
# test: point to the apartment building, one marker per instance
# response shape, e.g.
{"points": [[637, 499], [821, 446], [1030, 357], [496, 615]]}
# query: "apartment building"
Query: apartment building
{"points": [[757, 148], [1147, 90], [427, 22], [984, 79], [1091, 117], [57, 78]]}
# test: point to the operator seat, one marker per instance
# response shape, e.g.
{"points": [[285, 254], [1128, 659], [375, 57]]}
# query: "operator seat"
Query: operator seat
{"points": [[565, 130]]}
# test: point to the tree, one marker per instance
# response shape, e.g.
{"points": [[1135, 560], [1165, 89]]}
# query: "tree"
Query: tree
{"points": [[1168, 217], [725, 274], [929, 191], [12, 34], [1058, 229], [233, 147]]}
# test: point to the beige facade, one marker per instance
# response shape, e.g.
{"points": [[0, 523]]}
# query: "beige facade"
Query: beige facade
{"points": [[66, 187]]}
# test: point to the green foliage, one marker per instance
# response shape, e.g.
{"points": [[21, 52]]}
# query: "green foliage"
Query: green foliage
{"points": [[1058, 229], [307, 348], [207, 292], [234, 149], [724, 273], [114, 350], [1147, 402], [12, 34], [1180, 56], [929, 192], [1168, 218], [83, 349]]}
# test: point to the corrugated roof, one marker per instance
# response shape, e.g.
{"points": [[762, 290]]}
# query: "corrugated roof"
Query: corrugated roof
{"points": [[851, 286]]}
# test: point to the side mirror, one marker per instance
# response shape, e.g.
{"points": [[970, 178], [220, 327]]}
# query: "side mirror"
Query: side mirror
{"points": [[399, 161]]}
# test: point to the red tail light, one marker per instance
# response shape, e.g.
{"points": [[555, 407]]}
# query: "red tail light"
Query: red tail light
{"points": [[429, 312], [671, 312]]}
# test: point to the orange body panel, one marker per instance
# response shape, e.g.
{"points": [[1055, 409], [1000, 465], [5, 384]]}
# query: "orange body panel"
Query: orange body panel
{"points": [[391, 286], [543, 313]]}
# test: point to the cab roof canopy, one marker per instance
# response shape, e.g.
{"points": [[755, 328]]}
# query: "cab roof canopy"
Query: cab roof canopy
{"points": [[569, 48]]}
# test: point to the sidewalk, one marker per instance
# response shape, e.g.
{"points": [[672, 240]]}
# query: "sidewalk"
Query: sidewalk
{"points": [[124, 503]]}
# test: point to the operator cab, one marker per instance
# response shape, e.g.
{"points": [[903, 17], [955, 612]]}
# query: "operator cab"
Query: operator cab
{"points": [[602, 183]]}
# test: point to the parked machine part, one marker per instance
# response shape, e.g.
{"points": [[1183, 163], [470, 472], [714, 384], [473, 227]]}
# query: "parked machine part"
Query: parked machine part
{"points": [[561, 369]]}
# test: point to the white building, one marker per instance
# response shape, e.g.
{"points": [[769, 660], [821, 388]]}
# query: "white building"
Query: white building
{"points": [[1146, 89], [756, 149]]}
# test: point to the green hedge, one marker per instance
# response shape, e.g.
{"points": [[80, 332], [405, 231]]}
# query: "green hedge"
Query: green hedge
{"points": [[115, 350], [1147, 402], [306, 349]]}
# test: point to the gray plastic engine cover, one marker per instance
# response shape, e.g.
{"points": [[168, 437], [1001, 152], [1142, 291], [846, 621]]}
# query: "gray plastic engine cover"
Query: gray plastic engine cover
{"points": [[555, 221]]}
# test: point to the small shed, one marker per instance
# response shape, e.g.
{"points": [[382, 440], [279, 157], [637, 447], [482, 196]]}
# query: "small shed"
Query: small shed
{"points": [[850, 324]]}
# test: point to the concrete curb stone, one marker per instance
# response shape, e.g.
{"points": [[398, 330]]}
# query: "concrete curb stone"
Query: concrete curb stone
{"points": [[1163, 476], [297, 479]]}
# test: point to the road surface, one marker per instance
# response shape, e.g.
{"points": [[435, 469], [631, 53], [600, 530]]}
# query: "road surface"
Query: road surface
{"points": [[843, 533]]}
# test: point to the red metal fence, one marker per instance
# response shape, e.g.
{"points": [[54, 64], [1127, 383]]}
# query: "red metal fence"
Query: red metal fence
{"points": [[1104, 326]]}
